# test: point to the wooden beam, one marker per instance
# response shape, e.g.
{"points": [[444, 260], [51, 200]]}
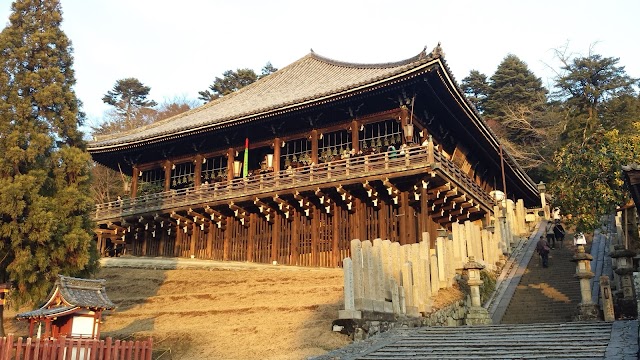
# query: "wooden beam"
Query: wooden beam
{"points": [[372, 193], [392, 190], [241, 214], [304, 204], [284, 206], [325, 200], [265, 209]]}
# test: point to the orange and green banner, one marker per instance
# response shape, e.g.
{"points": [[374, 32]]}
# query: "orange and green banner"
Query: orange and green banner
{"points": [[245, 165]]}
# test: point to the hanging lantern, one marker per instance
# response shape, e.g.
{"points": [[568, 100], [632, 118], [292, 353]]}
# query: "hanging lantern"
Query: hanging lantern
{"points": [[379, 142], [269, 160], [386, 141], [408, 133], [174, 182], [294, 158], [334, 152], [237, 168], [287, 162]]}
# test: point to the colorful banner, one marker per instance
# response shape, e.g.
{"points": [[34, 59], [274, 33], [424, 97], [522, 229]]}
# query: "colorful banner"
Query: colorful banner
{"points": [[245, 165]]}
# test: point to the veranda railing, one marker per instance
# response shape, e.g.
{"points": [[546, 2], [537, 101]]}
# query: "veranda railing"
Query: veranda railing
{"points": [[414, 157]]}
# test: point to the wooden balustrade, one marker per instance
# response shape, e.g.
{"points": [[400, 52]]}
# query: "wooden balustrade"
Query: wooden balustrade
{"points": [[362, 166]]}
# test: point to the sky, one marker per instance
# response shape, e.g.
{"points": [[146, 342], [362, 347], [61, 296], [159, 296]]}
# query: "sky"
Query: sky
{"points": [[179, 47]]}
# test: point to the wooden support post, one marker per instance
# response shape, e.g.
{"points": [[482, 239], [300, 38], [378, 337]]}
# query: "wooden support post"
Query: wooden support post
{"points": [[277, 146], [383, 220], [335, 249], [404, 119], [404, 214], [295, 237], [314, 146], [251, 236], [355, 136], [134, 181], [195, 234], [197, 172], [210, 239], [167, 175], [315, 225], [231, 156], [275, 236], [232, 224]]}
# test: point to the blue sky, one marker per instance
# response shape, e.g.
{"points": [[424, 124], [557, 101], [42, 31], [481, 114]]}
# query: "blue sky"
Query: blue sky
{"points": [[178, 47]]}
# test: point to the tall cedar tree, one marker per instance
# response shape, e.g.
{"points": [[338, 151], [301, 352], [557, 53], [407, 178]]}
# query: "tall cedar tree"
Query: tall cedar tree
{"points": [[587, 84], [476, 88], [515, 92], [132, 109], [45, 227], [232, 81]]}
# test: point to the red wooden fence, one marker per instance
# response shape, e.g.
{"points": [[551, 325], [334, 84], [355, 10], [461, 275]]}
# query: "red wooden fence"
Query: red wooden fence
{"points": [[73, 349]]}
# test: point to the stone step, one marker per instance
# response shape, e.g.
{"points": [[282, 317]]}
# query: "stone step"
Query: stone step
{"points": [[527, 341]]}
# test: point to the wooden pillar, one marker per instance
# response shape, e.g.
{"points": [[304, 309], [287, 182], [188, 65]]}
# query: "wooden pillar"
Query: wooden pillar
{"points": [[253, 223], [134, 181], [404, 214], [145, 237], [231, 156], [314, 146], [197, 172], [295, 236], [195, 234], [277, 146], [335, 248], [383, 220], [361, 210], [355, 135], [210, 238], [167, 175], [275, 236], [424, 210], [404, 119], [315, 233], [178, 243], [99, 241], [47, 328], [232, 224]]}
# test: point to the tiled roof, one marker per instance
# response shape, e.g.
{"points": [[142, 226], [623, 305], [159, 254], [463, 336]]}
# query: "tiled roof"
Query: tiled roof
{"points": [[84, 292], [44, 312], [309, 79], [76, 294]]}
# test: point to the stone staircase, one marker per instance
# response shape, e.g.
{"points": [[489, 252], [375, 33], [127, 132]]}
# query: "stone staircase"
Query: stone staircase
{"points": [[575, 340], [539, 341], [546, 295]]}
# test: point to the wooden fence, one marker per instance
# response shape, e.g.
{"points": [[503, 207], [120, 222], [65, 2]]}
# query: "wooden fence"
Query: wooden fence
{"points": [[73, 349]]}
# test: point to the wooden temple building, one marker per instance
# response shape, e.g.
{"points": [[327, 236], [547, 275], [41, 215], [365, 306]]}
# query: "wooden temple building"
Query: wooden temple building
{"points": [[294, 166], [73, 309]]}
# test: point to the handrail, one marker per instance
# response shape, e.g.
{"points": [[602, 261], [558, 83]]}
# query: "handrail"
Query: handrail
{"points": [[414, 157]]}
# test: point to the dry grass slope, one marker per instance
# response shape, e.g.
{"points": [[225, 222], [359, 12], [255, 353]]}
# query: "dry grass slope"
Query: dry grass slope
{"points": [[225, 314]]}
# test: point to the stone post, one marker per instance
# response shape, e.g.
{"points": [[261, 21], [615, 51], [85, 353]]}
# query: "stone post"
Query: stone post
{"points": [[624, 270], [440, 249], [349, 311], [586, 309], [476, 315], [358, 275], [369, 279], [433, 271], [542, 188], [606, 299]]}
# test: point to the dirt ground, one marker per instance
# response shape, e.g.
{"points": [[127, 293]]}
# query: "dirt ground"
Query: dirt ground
{"points": [[235, 313]]}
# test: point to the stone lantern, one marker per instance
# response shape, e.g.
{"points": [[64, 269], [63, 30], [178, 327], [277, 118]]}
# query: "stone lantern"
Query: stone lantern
{"points": [[476, 315], [587, 310], [624, 269]]}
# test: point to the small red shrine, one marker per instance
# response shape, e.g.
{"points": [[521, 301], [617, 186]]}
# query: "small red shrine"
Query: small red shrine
{"points": [[73, 309]]}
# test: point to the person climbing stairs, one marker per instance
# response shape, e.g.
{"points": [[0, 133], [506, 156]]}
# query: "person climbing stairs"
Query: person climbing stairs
{"points": [[546, 295]]}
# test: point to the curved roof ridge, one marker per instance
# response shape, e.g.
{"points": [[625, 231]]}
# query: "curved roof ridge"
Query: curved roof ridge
{"points": [[422, 55]]}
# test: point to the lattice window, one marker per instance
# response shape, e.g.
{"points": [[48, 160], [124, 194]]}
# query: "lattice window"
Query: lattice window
{"points": [[333, 145], [214, 170], [151, 182], [381, 135], [296, 153], [182, 175]]}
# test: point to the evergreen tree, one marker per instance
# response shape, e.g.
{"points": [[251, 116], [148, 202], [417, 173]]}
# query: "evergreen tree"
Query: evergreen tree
{"points": [[587, 84], [476, 88], [45, 223], [131, 108], [232, 81]]}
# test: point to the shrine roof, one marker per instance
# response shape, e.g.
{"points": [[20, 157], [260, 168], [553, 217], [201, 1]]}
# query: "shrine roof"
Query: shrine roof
{"points": [[70, 294], [309, 80]]}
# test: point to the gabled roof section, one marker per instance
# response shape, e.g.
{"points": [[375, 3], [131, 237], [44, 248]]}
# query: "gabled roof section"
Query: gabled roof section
{"points": [[310, 79], [70, 294]]}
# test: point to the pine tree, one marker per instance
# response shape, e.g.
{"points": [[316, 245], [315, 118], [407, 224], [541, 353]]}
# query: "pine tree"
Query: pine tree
{"points": [[131, 108], [45, 226], [476, 88]]}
